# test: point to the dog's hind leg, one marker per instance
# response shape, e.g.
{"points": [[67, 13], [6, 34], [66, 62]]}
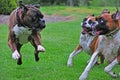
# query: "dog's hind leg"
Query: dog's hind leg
{"points": [[108, 69], [75, 52], [19, 61]]}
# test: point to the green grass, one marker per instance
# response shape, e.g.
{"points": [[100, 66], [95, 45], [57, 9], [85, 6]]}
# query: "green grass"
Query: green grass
{"points": [[59, 39]]}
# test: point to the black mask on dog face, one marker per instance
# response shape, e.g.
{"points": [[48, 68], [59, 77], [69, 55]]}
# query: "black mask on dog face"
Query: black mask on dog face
{"points": [[32, 17], [101, 28], [38, 22]]}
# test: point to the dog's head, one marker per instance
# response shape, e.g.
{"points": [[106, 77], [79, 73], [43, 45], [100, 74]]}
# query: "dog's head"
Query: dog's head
{"points": [[106, 23], [105, 11], [88, 24], [31, 16], [100, 25]]}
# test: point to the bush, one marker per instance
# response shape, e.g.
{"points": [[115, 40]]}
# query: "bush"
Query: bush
{"points": [[6, 6]]}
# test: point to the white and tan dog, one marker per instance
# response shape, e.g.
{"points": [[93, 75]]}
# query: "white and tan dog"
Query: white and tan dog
{"points": [[108, 45], [88, 42]]}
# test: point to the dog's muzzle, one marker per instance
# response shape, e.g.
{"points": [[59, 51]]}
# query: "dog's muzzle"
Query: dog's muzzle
{"points": [[39, 25], [43, 23]]}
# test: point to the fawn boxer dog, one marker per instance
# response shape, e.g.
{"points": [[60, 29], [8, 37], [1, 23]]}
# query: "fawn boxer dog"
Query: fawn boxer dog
{"points": [[108, 44], [25, 23], [88, 42]]}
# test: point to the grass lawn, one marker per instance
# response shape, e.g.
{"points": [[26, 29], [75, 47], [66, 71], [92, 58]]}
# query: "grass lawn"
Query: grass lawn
{"points": [[59, 39]]}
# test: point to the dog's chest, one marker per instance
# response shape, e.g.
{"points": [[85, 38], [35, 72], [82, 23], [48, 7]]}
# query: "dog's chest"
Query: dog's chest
{"points": [[22, 33], [85, 41], [110, 47]]}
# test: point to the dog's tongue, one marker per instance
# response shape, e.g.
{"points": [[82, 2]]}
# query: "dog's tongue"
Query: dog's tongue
{"points": [[95, 33], [84, 31]]}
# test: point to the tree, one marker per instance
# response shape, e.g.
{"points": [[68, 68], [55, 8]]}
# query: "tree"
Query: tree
{"points": [[73, 2], [86, 2], [6, 6]]}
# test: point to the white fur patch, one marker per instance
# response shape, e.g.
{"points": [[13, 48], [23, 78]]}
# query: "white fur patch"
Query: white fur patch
{"points": [[22, 33], [15, 55], [85, 41], [40, 48]]}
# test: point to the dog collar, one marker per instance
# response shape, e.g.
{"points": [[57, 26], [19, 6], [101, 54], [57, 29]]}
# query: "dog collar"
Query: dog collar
{"points": [[18, 13], [113, 32]]}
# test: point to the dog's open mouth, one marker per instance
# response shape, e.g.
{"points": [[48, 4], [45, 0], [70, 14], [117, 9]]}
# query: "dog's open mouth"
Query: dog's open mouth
{"points": [[86, 30], [91, 31], [95, 33]]}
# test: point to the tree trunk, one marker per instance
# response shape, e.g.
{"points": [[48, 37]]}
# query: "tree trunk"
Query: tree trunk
{"points": [[70, 2], [86, 2]]}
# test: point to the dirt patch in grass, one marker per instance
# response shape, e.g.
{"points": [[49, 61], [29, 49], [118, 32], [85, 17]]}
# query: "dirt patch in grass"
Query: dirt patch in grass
{"points": [[4, 19], [49, 18]]}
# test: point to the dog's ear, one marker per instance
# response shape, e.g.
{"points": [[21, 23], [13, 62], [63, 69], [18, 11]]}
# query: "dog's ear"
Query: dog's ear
{"points": [[37, 5], [22, 6], [92, 15], [116, 16]]}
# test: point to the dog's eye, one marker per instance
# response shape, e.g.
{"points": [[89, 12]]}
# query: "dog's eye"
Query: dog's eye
{"points": [[90, 22], [33, 18]]}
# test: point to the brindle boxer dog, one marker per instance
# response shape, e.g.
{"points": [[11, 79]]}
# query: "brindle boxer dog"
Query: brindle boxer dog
{"points": [[108, 44], [25, 23]]}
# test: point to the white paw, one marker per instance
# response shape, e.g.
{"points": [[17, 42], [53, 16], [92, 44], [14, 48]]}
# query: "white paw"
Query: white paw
{"points": [[83, 75], [107, 69], [82, 78], [40, 48], [15, 55], [69, 63]]}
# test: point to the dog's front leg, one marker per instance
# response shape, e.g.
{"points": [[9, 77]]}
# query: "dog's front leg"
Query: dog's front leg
{"points": [[15, 49], [12, 45], [74, 53], [108, 69], [36, 42], [89, 66]]}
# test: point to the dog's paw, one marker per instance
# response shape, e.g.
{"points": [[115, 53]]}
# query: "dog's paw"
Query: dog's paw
{"points": [[40, 48], [16, 55], [69, 63]]}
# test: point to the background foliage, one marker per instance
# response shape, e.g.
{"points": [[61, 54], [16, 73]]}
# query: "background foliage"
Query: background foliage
{"points": [[6, 6]]}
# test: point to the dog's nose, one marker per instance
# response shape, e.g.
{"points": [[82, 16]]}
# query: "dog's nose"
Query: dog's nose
{"points": [[43, 21]]}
